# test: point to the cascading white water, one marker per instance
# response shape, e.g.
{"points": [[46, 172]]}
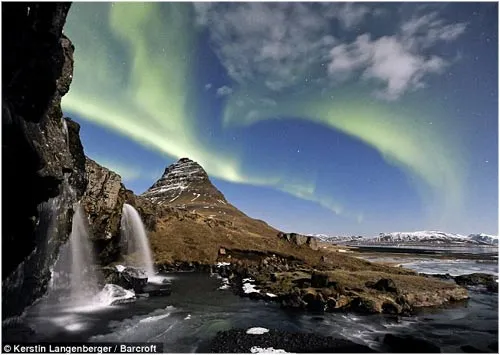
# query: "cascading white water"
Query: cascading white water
{"points": [[135, 237], [84, 278], [75, 278]]}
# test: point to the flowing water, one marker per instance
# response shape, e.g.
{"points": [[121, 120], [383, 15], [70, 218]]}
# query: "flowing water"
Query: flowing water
{"points": [[197, 309], [75, 278], [136, 241]]}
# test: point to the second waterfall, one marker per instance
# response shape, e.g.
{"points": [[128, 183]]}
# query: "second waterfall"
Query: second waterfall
{"points": [[135, 239]]}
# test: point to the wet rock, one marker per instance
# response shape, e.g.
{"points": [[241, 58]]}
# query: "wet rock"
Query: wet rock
{"points": [[113, 294], [365, 305], [14, 330], [390, 307], [129, 278], [319, 280], [315, 302], [163, 289], [409, 344], [478, 279]]}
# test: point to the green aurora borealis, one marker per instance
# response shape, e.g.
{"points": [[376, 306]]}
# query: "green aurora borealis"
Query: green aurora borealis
{"points": [[135, 73]]}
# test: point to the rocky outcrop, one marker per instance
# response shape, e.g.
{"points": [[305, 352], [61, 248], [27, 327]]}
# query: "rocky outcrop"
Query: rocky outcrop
{"points": [[487, 281], [299, 239], [370, 291], [103, 202], [476, 281], [129, 278], [42, 153]]}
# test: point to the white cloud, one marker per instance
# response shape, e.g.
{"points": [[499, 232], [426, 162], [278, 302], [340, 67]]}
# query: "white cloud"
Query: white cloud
{"points": [[279, 42], [397, 63], [224, 91], [278, 46], [425, 30]]}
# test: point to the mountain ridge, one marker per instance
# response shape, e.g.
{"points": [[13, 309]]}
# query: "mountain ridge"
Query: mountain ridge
{"points": [[423, 236]]}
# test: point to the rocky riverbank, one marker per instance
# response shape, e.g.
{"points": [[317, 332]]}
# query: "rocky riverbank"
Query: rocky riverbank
{"points": [[476, 281], [366, 290]]}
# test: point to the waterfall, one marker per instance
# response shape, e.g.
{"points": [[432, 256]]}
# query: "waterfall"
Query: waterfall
{"points": [[75, 276], [135, 238], [84, 279]]}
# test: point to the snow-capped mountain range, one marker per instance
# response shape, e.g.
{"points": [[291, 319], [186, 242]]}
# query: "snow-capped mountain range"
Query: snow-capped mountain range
{"points": [[418, 237]]}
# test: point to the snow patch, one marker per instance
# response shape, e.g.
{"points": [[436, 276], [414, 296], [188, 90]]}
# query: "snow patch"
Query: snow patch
{"points": [[249, 288], [197, 195], [272, 295], [120, 268], [222, 263], [225, 284], [257, 330], [257, 349]]}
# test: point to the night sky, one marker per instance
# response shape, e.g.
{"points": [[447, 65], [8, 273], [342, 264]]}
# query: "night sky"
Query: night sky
{"points": [[335, 118]]}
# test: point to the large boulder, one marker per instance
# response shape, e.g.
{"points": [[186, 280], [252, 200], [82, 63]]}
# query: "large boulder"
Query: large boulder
{"points": [[298, 239], [130, 278], [312, 243], [41, 151]]}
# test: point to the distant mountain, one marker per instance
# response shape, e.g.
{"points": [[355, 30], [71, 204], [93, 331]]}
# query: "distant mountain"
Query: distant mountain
{"points": [[184, 182], [484, 238], [337, 238], [414, 238], [433, 237]]}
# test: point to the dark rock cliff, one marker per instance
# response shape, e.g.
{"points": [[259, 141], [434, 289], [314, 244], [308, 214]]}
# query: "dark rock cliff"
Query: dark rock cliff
{"points": [[41, 151], [103, 202]]}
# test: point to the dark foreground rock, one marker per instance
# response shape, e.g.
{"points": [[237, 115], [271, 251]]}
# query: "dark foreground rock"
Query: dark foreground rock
{"points": [[477, 281], [408, 344], [43, 173], [486, 281], [238, 341]]}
